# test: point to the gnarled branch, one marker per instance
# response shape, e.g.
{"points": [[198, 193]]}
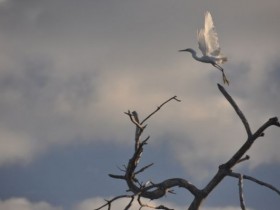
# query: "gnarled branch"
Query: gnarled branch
{"points": [[153, 190]]}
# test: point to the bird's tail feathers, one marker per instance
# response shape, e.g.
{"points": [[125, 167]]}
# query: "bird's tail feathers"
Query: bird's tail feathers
{"points": [[222, 60]]}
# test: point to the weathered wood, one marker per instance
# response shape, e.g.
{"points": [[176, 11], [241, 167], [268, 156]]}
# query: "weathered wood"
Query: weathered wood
{"points": [[154, 191]]}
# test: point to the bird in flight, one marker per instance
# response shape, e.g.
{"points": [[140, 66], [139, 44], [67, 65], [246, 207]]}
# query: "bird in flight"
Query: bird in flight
{"points": [[209, 46]]}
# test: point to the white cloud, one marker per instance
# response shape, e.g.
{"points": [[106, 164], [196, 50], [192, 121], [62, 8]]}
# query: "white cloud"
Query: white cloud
{"points": [[92, 203], [24, 204], [89, 204], [224, 208]]}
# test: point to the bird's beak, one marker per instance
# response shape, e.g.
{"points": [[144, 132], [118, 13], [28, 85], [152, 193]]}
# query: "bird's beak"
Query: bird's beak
{"points": [[182, 50]]}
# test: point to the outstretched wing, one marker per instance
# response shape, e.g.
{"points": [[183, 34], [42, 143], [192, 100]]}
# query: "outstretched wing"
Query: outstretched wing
{"points": [[201, 42], [210, 36]]}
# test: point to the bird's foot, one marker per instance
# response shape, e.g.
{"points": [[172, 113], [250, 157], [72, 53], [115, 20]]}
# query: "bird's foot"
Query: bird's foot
{"points": [[225, 79]]}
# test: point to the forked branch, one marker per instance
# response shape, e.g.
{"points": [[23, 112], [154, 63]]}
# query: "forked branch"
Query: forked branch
{"points": [[270, 186]]}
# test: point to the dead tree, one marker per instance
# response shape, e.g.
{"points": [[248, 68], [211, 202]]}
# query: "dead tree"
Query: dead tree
{"points": [[155, 191]]}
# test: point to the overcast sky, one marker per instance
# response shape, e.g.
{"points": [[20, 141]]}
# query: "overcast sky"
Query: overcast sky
{"points": [[70, 69]]}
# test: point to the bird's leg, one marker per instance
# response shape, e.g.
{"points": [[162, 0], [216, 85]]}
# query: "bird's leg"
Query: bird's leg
{"points": [[225, 80]]}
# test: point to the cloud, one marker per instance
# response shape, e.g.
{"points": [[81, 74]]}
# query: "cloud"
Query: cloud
{"points": [[92, 203], [68, 73], [17, 147], [224, 208], [24, 204]]}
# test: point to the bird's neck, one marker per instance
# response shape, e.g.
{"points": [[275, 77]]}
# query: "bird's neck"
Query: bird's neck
{"points": [[194, 55]]}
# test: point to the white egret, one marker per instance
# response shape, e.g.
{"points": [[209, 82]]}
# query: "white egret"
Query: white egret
{"points": [[209, 46]]}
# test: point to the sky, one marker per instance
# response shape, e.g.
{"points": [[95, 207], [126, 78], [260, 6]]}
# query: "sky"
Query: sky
{"points": [[70, 69]]}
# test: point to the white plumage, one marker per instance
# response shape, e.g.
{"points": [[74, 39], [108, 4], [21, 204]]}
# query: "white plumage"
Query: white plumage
{"points": [[208, 44]]}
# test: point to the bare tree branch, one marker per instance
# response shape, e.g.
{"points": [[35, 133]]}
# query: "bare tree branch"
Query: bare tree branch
{"points": [[241, 196], [236, 108], [162, 188], [109, 202], [116, 176], [251, 137], [225, 168], [159, 107], [272, 121], [144, 168], [130, 203], [134, 119], [150, 206], [157, 190], [247, 157], [236, 175]]}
